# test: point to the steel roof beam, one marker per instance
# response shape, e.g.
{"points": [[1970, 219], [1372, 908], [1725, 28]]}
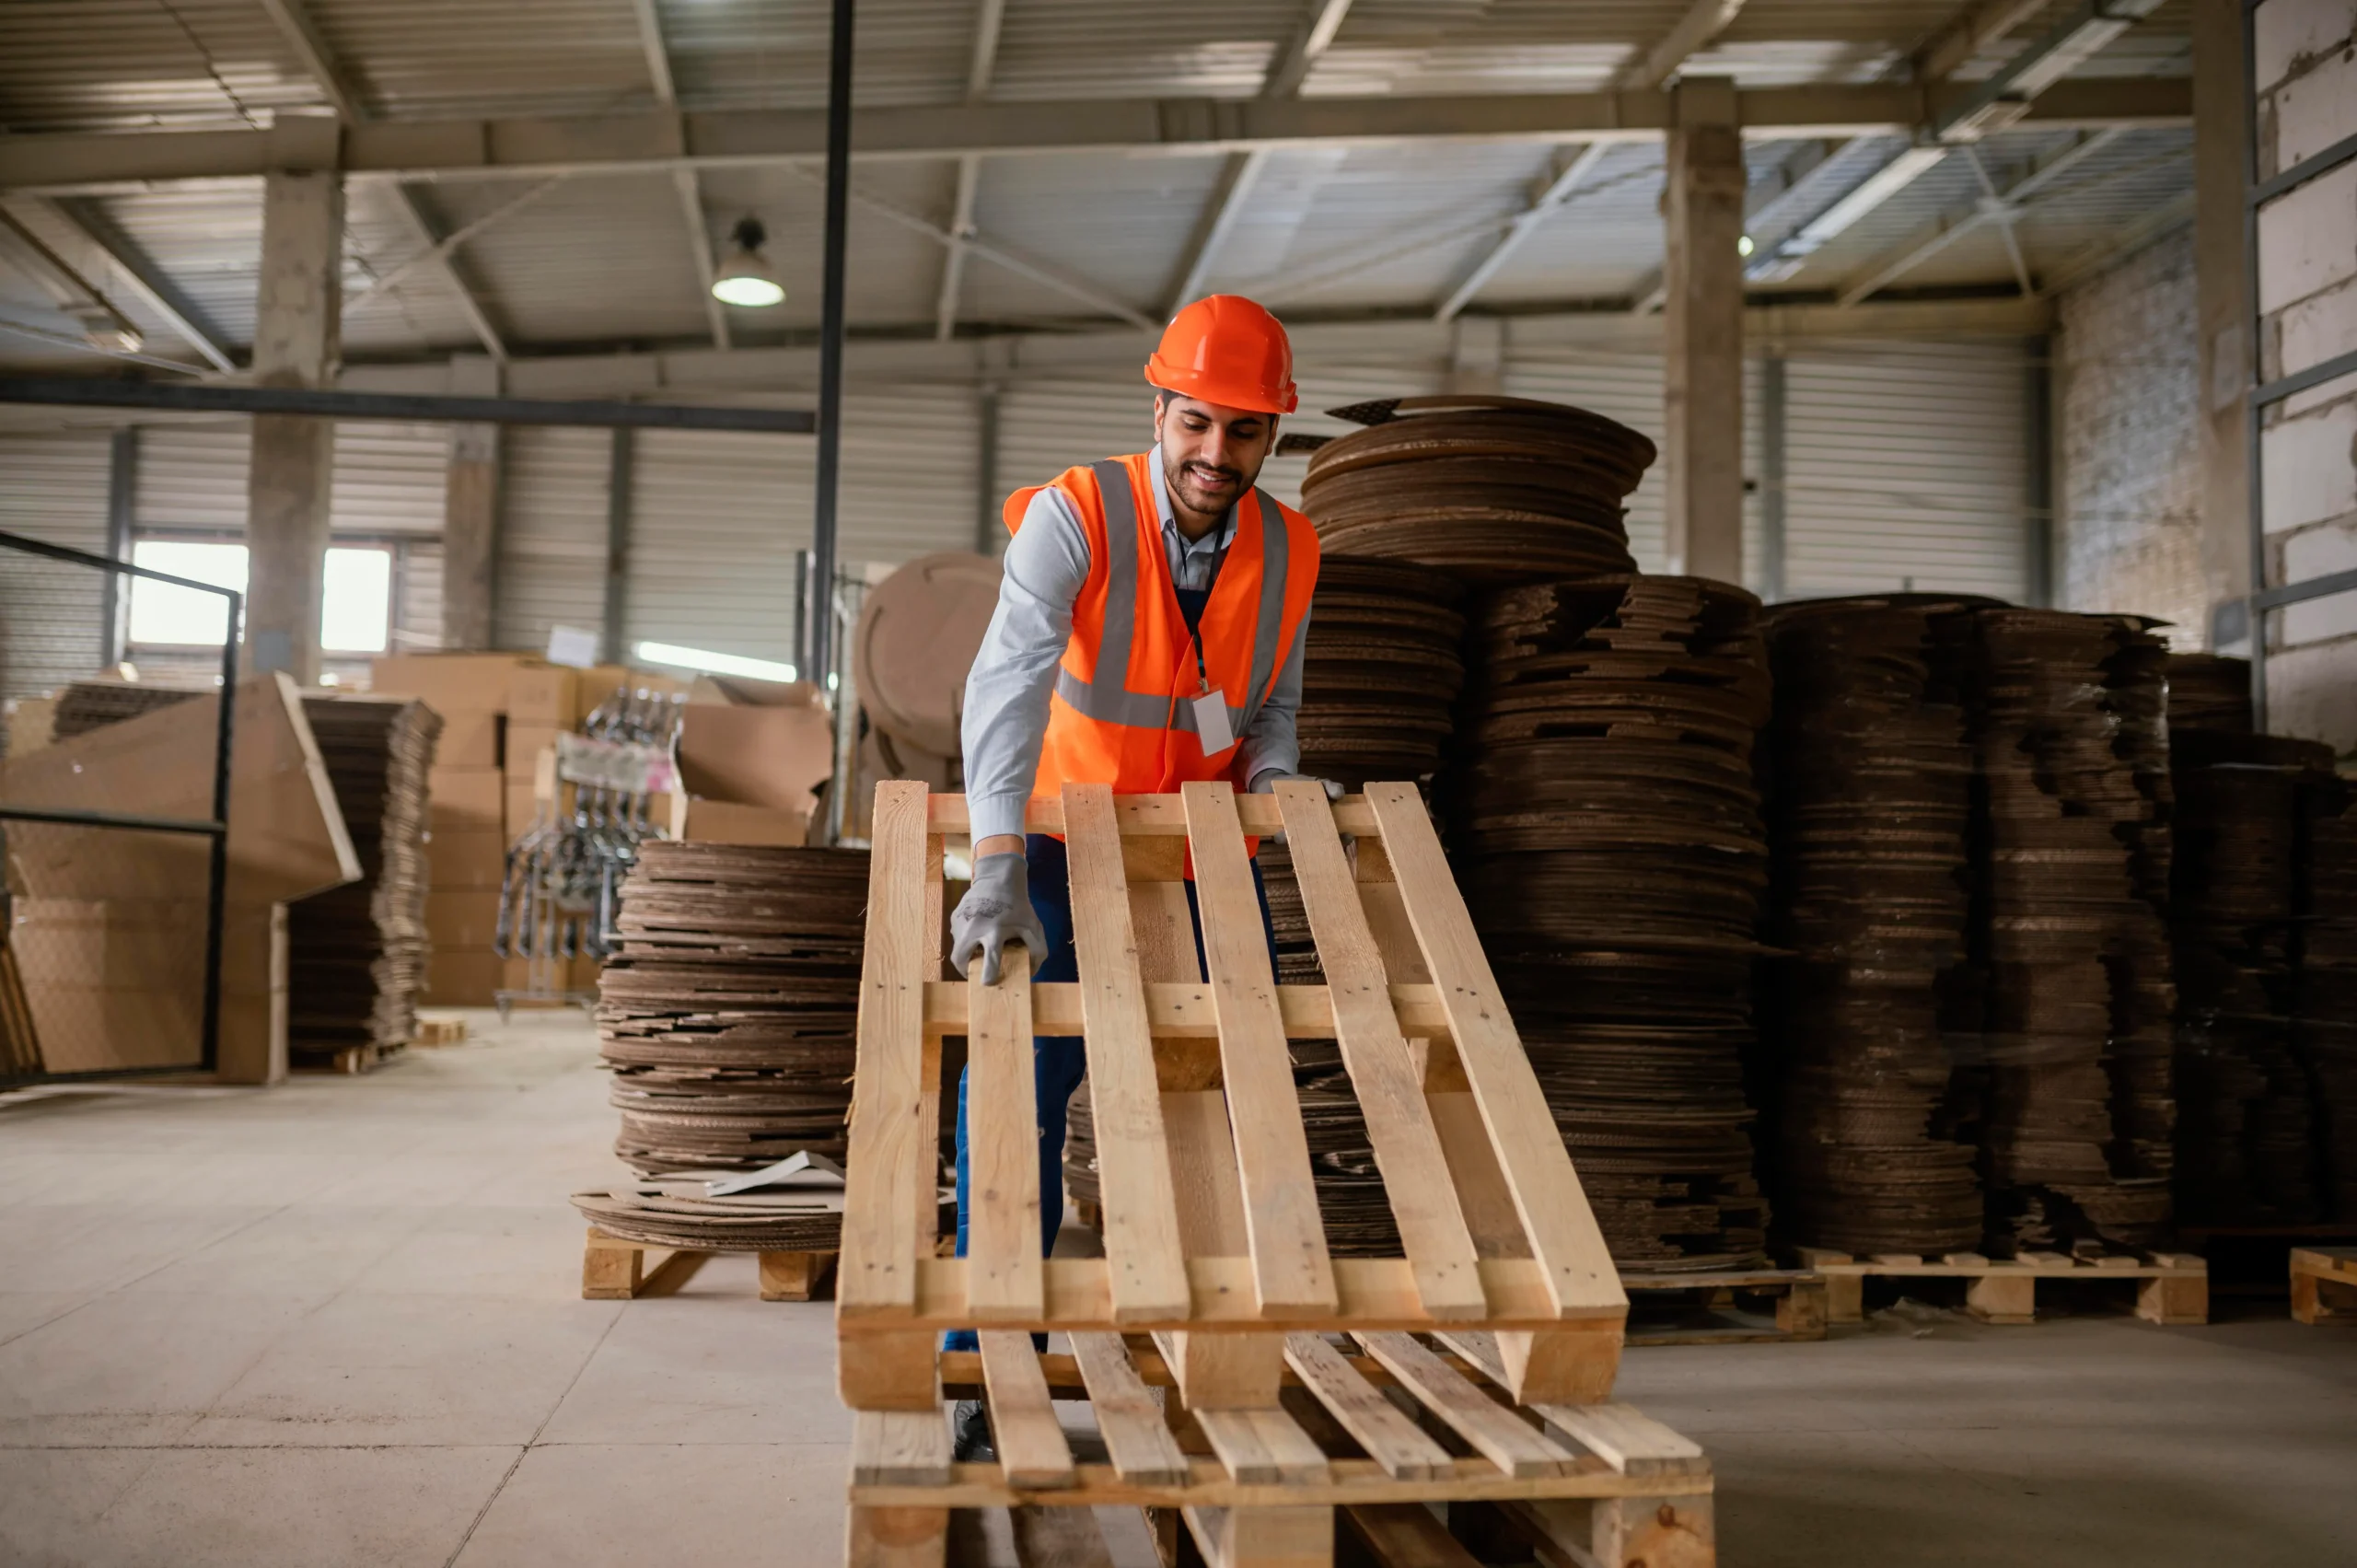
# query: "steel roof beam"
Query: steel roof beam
{"points": [[1242, 170], [663, 139], [684, 182], [319, 62], [1993, 206], [990, 18], [140, 278], [1695, 31], [1566, 184]]}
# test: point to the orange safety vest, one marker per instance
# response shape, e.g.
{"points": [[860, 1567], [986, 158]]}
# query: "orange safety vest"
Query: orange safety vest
{"points": [[1122, 712]]}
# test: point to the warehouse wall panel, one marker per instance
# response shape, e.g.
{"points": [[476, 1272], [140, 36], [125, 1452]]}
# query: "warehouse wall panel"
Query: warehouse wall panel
{"points": [[1906, 467], [55, 489], [389, 479], [552, 567]]}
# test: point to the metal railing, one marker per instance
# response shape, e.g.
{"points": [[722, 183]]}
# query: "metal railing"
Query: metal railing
{"points": [[215, 827]]}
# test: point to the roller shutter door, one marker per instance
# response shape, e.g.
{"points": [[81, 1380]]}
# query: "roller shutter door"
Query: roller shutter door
{"points": [[417, 596], [717, 517], [1626, 385], [55, 489], [552, 533], [1907, 466], [389, 480]]}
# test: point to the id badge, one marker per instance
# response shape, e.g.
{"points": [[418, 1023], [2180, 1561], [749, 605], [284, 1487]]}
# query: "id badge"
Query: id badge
{"points": [[1211, 722]]}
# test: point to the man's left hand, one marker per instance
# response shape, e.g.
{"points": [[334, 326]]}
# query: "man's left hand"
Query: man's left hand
{"points": [[1265, 782]]}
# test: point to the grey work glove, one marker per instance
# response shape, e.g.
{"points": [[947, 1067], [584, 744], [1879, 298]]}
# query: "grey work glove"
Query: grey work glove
{"points": [[1265, 782], [996, 911]]}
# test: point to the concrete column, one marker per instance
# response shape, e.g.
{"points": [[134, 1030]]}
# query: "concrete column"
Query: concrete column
{"points": [[1703, 331], [471, 513], [2221, 305], [296, 343]]}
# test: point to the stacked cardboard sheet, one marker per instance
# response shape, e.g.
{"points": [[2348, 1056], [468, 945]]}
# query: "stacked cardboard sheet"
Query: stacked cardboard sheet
{"points": [[728, 1014], [1868, 769]]}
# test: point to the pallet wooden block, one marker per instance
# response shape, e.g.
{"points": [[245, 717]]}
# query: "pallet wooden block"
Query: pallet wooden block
{"points": [[2171, 1287], [613, 1269], [1213, 1242], [2324, 1285]]}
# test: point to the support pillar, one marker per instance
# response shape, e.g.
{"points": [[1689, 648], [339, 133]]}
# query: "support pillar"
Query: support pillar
{"points": [[296, 343], [1703, 331], [471, 513], [2221, 310], [122, 499], [621, 485]]}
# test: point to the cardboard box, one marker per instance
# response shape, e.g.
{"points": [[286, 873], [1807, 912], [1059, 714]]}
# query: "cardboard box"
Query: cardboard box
{"points": [[464, 800], [462, 918], [462, 977], [466, 859], [471, 738], [775, 757], [524, 744], [450, 683], [523, 808], [730, 822], [553, 976], [543, 695]]}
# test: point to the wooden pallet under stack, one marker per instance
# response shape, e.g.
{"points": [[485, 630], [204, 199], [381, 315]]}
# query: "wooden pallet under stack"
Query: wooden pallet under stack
{"points": [[1504, 1316]]}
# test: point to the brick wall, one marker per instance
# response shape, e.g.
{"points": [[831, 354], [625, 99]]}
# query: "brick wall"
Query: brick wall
{"points": [[2129, 491]]}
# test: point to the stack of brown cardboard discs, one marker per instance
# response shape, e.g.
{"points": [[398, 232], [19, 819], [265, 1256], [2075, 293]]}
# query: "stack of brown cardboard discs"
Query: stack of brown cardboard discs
{"points": [[1380, 672], [2073, 756], [1606, 830], [1869, 775], [728, 1014], [1491, 490]]}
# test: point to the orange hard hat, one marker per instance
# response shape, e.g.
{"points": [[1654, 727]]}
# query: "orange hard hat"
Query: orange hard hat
{"points": [[1226, 349]]}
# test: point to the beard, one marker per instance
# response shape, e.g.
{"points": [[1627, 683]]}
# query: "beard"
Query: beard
{"points": [[1204, 487]]}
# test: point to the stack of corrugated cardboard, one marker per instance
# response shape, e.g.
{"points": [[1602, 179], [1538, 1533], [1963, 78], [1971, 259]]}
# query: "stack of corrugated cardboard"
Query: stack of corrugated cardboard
{"points": [[500, 712]]}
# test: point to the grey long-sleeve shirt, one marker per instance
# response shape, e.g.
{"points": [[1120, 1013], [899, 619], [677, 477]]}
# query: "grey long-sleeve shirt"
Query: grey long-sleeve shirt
{"points": [[1006, 693]]}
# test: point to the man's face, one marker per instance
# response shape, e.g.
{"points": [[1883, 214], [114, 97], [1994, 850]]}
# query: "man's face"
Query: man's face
{"points": [[1211, 453]]}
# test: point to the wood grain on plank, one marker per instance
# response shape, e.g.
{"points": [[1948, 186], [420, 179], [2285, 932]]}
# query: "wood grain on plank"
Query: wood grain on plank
{"points": [[1553, 1209], [1145, 1267], [1390, 1439], [1388, 1087], [1128, 1415], [1292, 1270], [1496, 1432], [1262, 1447], [900, 1448], [890, 1161], [1003, 1278], [1024, 1430]]}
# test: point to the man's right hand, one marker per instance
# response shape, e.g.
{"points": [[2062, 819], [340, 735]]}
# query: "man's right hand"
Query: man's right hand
{"points": [[996, 911]]}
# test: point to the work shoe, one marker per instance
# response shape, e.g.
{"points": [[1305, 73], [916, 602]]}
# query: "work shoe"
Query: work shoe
{"points": [[970, 1433]]}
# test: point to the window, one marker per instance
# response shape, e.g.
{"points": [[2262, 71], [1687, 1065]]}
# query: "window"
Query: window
{"points": [[355, 616]]}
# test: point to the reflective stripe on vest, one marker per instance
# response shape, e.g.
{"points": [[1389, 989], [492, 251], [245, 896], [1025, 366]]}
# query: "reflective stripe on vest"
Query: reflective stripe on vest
{"points": [[1106, 696]]}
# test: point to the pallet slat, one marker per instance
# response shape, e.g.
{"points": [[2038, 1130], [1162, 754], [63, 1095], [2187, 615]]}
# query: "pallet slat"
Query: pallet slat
{"points": [[888, 1160], [1291, 1273], [1024, 1429], [1389, 1089], [1495, 1432], [1128, 1416], [1390, 1439], [1003, 1262], [1146, 1269], [1548, 1198]]}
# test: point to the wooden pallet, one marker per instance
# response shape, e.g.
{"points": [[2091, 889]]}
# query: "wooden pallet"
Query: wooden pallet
{"points": [[2324, 1285], [2171, 1287], [616, 1270], [439, 1031], [1212, 1234], [1796, 1297], [1340, 1452], [351, 1059]]}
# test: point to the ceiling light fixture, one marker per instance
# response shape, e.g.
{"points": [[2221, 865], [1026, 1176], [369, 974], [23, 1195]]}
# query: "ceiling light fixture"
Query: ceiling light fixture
{"points": [[1743, 246], [745, 276], [678, 657]]}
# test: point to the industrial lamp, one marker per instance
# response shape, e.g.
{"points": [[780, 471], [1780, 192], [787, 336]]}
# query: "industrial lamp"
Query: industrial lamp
{"points": [[745, 276]]}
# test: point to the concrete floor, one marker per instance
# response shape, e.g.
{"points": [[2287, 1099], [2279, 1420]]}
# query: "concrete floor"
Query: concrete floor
{"points": [[339, 1323]]}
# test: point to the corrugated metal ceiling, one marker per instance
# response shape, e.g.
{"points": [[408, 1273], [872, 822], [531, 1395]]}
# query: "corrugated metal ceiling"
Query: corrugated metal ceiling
{"points": [[604, 260]]}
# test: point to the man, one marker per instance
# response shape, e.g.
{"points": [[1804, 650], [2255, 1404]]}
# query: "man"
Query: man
{"points": [[1148, 633]]}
